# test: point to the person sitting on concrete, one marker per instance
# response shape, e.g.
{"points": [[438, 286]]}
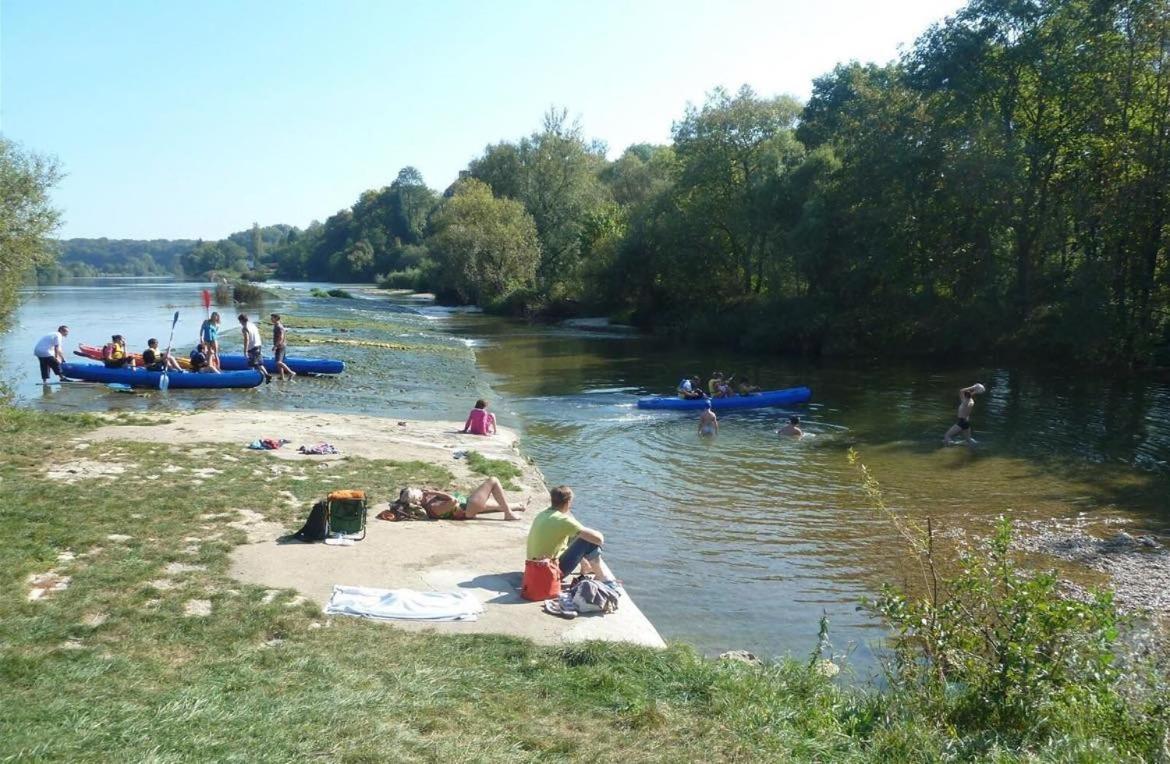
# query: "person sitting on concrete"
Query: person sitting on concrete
{"points": [[553, 529], [480, 421], [441, 505]]}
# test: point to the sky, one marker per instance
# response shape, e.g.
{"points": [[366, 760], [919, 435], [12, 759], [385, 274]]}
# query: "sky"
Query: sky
{"points": [[195, 118]]}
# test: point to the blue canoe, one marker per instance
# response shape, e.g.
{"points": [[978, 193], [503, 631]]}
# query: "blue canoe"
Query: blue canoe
{"points": [[233, 362], [92, 372], [786, 397]]}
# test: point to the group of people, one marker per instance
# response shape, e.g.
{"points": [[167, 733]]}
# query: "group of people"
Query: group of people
{"points": [[709, 425], [718, 386], [50, 352], [555, 534]]}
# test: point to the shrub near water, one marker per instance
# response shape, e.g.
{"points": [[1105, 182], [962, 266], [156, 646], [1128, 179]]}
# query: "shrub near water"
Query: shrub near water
{"points": [[997, 653]]}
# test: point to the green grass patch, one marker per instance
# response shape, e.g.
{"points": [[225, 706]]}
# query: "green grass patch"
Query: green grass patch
{"points": [[113, 669], [502, 469]]}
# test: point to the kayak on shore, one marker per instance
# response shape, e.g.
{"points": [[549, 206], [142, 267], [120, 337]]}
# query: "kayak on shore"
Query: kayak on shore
{"points": [[786, 397], [151, 380], [236, 362]]}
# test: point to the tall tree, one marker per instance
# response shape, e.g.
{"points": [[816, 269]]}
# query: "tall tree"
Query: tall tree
{"points": [[27, 217], [486, 246]]}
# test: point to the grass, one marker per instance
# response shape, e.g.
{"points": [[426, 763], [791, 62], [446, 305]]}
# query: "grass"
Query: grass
{"points": [[110, 669], [502, 469]]}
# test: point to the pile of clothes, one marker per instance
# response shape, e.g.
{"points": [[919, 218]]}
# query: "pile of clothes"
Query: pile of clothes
{"points": [[268, 444], [320, 449], [585, 595]]}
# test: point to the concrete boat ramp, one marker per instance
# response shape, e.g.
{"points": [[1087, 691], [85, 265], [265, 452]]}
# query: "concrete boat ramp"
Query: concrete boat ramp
{"points": [[483, 556]]}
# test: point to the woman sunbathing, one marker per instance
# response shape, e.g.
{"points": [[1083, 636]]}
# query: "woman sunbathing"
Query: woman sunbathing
{"points": [[441, 505]]}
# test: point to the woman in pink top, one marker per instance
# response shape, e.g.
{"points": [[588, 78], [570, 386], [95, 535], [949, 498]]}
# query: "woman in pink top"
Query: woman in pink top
{"points": [[480, 421]]}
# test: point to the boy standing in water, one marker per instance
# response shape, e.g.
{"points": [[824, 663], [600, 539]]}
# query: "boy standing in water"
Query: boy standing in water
{"points": [[252, 346], [963, 423], [279, 345], [708, 422]]}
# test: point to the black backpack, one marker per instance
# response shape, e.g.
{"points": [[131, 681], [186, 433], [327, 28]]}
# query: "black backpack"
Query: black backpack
{"points": [[316, 528]]}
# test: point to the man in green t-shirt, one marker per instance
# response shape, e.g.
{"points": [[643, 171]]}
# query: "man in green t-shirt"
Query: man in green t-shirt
{"points": [[552, 531]]}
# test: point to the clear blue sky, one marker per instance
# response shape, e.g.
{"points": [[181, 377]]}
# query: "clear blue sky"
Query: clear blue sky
{"points": [[194, 118]]}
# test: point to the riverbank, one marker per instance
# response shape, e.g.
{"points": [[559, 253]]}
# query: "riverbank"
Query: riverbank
{"points": [[483, 557], [129, 638]]}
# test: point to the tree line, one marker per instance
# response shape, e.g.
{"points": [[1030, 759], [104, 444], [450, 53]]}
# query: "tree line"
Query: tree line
{"points": [[1002, 187]]}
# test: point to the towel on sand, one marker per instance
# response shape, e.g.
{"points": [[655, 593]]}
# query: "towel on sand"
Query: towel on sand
{"points": [[408, 604]]}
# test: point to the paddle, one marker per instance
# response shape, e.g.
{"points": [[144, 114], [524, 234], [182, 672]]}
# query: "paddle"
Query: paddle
{"points": [[207, 303], [164, 381]]}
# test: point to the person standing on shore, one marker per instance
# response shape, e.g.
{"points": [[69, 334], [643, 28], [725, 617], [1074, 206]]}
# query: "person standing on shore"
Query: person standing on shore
{"points": [[50, 353], [963, 421], [708, 422], [252, 346], [209, 336], [279, 346], [548, 538]]}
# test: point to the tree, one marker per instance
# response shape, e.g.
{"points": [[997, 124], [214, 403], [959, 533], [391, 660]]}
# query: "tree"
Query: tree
{"points": [[486, 247], [554, 173], [26, 217], [732, 155]]}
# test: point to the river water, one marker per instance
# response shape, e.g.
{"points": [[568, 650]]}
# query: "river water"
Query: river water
{"points": [[743, 541]]}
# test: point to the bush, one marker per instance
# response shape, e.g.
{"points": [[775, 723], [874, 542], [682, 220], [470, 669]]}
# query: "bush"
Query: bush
{"points": [[999, 654], [244, 293], [315, 292]]}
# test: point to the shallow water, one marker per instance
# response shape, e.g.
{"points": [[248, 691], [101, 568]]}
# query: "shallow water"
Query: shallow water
{"points": [[738, 542]]}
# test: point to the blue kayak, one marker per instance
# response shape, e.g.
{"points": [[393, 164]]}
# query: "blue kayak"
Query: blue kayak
{"points": [[151, 380], [786, 397], [233, 362]]}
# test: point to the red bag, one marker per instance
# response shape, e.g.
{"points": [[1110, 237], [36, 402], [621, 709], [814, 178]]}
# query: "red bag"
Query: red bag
{"points": [[542, 580]]}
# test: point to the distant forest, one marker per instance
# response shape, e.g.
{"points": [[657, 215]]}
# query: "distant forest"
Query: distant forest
{"points": [[1002, 188]]}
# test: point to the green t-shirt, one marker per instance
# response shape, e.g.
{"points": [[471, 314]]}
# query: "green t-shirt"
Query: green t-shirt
{"points": [[550, 534]]}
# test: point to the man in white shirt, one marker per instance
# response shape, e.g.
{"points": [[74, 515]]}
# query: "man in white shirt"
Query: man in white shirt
{"points": [[251, 334], [50, 353]]}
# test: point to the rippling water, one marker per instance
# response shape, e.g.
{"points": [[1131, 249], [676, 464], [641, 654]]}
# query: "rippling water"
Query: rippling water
{"points": [[738, 542]]}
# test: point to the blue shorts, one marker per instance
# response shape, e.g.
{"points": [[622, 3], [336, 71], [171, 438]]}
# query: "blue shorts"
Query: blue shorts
{"points": [[578, 550]]}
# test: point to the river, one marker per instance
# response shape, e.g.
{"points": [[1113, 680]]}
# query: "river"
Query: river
{"points": [[740, 542]]}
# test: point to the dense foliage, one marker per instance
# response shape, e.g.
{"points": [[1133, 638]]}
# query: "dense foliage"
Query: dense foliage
{"points": [[1002, 187], [26, 216]]}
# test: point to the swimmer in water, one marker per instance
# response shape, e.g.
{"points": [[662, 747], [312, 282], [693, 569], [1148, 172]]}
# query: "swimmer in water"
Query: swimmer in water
{"points": [[792, 429], [708, 422], [963, 424]]}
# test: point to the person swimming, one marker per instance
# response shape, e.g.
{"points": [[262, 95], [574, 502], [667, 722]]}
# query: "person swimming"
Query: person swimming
{"points": [[792, 429], [708, 423]]}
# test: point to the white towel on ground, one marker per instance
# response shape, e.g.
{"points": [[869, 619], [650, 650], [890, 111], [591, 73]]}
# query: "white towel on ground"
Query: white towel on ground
{"points": [[408, 604]]}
